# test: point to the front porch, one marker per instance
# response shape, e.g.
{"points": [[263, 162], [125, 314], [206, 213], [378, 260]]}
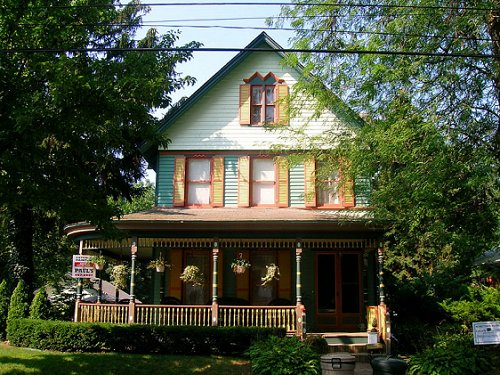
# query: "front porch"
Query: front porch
{"points": [[285, 317]]}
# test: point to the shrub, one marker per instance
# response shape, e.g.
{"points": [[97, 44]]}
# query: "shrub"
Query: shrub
{"points": [[317, 343], [40, 307], [451, 355], [19, 306], [480, 304], [4, 308], [277, 356], [134, 338]]}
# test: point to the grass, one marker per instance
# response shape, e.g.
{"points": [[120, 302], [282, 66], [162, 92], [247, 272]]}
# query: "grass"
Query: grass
{"points": [[28, 361]]}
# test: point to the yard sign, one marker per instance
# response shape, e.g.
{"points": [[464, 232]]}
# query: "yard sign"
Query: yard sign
{"points": [[82, 268], [486, 333]]}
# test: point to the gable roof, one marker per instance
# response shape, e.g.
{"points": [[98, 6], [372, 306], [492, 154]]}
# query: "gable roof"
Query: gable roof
{"points": [[262, 41]]}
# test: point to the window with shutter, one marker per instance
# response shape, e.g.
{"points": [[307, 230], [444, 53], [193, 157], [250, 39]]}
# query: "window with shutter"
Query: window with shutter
{"points": [[263, 101]]}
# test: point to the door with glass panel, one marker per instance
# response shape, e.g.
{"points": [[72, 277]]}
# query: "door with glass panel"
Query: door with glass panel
{"points": [[338, 291]]}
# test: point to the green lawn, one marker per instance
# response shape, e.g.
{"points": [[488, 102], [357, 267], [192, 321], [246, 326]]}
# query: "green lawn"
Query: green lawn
{"points": [[28, 361]]}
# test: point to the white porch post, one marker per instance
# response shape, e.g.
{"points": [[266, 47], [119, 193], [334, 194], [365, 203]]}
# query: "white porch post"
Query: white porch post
{"points": [[131, 307], [79, 289], [300, 308], [215, 286]]}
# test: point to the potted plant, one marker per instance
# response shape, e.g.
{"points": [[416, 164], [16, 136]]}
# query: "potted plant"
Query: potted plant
{"points": [[119, 276], [272, 273], [99, 261], [158, 264], [192, 275], [239, 265]]}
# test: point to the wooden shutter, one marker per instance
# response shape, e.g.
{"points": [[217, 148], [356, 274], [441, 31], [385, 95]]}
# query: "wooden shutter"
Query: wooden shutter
{"points": [[348, 194], [309, 183], [283, 108], [282, 181], [245, 104], [244, 181], [218, 181], [179, 180]]}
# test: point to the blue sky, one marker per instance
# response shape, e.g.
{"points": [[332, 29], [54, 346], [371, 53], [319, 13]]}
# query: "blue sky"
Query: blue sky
{"points": [[205, 64]]}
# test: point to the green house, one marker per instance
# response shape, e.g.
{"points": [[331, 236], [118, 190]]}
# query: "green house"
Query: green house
{"points": [[223, 195]]}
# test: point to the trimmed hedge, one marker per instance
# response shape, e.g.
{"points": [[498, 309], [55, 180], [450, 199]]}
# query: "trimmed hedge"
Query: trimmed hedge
{"points": [[135, 338]]}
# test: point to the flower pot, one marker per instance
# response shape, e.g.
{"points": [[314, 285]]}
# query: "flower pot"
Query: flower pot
{"points": [[160, 268], [99, 266], [239, 269]]}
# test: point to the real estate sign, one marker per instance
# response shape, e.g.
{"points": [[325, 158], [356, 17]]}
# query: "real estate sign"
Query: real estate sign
{"points": [[82, 268], [486, 333]]}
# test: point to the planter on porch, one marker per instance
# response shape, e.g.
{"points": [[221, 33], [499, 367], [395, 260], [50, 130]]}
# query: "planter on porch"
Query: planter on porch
{"points": [[239, 265]]}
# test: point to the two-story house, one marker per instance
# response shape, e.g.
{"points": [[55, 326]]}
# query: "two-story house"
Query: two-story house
{"points": [[222, 194]]}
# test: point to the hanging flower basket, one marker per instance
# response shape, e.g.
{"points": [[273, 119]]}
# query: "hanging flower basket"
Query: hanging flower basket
{"points": [[98, 261], [158, 264], [272, 273], [239, 265], [192, 275], [119, 276]]}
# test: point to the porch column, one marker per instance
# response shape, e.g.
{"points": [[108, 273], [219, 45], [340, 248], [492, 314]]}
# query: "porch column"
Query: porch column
{"points": [[381, 290], [215, 286], [131, 307], [300, 309], [384, 314], [79, 289]]}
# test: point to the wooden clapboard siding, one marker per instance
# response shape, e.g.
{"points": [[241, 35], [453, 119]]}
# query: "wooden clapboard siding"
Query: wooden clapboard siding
{"points": [[231, 181], [164, 178], [297, 185], [213, 123], [362, 188]]}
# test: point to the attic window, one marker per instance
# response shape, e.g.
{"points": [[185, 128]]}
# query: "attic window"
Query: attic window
{"points": [[263, 100]]}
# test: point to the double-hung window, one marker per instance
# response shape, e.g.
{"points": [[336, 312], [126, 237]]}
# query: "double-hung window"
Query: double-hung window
{"points": [[263, 101], [198, 181], [263, 181]]}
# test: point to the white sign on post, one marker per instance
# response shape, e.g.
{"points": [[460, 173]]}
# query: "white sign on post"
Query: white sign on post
{"points": [[486, 333], [82, 268]]}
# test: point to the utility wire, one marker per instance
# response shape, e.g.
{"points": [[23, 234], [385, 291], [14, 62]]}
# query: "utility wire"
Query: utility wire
{"points": [[339, 4], [284, 50]]}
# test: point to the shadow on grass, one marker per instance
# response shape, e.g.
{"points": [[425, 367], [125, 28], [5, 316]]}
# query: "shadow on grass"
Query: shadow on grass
{"points": [[27, 361]]}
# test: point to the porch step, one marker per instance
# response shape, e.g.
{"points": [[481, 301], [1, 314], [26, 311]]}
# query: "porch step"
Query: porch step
{"points": [[355, 343]]}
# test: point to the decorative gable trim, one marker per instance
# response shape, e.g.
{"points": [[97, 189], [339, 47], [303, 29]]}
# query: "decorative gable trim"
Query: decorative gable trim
{"points": [[271, 77]]}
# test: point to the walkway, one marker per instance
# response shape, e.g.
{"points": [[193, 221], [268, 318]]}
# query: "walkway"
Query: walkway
{"points": [[363, 368]]}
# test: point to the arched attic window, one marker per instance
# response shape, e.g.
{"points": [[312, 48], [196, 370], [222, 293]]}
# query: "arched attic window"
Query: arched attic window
{"points": [[263, 101]]}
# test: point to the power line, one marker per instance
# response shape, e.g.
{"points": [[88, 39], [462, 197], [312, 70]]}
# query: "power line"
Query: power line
{"points": [[340, 4], [284, 50]]}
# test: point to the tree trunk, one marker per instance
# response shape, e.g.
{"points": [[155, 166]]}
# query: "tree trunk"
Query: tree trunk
{"points": [[21, 243]]}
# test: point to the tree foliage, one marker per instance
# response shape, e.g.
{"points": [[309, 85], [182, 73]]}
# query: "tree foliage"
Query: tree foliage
{"points": [[73, 119], [19, 305], [40, 306], [4, 307], [430, 140]]}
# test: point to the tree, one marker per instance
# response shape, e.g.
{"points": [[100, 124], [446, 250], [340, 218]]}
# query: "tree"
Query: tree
{"points": [[4, 307], [430, 143], [40, 306], [76, 107], [19, 306]]}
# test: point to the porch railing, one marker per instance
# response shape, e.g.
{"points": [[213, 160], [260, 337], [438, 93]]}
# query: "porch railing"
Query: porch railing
{"points": [[194, 315]]}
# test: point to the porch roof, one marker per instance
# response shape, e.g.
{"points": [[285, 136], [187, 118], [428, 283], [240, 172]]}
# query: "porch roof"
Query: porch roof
{"points": [[286, 219]]}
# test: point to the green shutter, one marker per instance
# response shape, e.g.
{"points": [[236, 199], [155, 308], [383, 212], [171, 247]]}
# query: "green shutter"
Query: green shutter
{"points": [[245, 105], [218, 182], [282, 179], [283, 108], [244, 181], [179, 181], [309, 183]]}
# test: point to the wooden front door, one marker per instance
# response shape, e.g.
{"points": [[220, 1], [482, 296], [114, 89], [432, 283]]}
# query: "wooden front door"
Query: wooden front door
{"points": [[338, 291]]}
